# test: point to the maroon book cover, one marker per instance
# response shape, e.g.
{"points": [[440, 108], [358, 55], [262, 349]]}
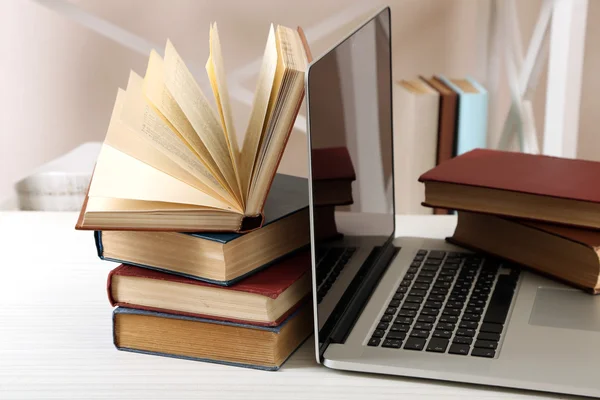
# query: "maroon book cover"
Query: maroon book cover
{"points": [[524, 173], [332, 163], [270, 282]]}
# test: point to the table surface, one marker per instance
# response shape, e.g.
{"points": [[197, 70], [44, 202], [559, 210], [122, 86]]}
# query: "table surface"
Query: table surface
{"points": [[55, 333]]}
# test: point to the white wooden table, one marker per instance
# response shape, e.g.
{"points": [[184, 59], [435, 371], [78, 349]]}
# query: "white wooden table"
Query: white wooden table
{"points": [[55, 334]]}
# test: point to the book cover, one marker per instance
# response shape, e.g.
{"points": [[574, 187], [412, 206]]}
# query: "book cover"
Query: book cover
{"points": [[521, 173], [295, 327], [472, 113], [269, 282]]}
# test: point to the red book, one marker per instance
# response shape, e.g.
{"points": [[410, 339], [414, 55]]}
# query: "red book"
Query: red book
{"points": [[332, 174], [265, 298], [521, 185]]}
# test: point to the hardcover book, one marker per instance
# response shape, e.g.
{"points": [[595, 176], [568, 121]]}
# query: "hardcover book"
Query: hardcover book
{"points": [[534, 187], [221, 258], [332, 174], [209, 340], [569, 254], [415, 142], [264, 298], [171, 163], [472, 113]]}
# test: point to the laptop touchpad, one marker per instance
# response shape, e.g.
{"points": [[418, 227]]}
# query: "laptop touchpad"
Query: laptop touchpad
{"points": [[566, 308]]}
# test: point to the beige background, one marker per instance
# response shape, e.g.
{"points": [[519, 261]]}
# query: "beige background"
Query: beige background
{"points": [[59, 79]]}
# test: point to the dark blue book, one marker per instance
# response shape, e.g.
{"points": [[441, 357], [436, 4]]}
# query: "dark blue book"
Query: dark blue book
{"points": [[223, 258], [215, 341]]}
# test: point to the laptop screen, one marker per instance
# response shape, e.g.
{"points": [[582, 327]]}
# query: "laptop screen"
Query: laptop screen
{"points": [[350, 137]]}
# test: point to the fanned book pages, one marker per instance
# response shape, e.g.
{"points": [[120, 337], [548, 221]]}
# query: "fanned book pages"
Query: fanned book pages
{"points": [[170, 162]]}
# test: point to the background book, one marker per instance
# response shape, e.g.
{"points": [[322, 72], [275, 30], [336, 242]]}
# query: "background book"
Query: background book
{"points": [[447, 125], [332, 175], [415, 142], [472, 113], [264, 298], [221, 342]]}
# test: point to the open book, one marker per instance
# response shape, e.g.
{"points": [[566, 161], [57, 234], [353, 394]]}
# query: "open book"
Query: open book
{"points": [[171, 163]]}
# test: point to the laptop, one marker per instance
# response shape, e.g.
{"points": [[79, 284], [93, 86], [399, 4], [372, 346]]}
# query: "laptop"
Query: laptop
{"points": [[418, 307]]}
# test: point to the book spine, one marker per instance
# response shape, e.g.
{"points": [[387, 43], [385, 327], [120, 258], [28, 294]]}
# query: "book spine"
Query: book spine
{"points": [[99, 246]]}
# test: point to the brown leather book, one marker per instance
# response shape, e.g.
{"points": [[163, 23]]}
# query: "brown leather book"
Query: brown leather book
{"points": [[569, 254], [533, 187], [447, 124]]}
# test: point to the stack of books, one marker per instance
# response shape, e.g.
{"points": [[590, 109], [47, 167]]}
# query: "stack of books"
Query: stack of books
{"points": [[435, 119], [213, 243], [538, 211]]}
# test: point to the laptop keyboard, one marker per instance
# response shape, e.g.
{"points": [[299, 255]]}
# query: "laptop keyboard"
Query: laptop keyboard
{"points": [[330, 262], [449, 302]]}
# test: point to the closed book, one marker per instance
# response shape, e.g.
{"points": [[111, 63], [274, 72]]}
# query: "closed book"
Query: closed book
{"points": [[446, 141], [472, 113], [220, 258], [332, 176], [535, 187], [416, 108], [264, 298], [569, 254], [209, 340]]}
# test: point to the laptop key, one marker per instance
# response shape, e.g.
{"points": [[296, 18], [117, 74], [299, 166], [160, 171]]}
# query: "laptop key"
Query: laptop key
{"points": [[415, 264], [400, 328], [489, 336], [422, 286], [394, 303], [383, 325], [471, 317], [468, 325], [483, 353], [449, 318], [402, 290], [411, 306], [465, 332], [433, 304], [445, 326], [404, 320], [398, 296], [462, 349], [431, 261], [422, 252], [426, 318], [396, 335], [393, 344], [414, 343], [391, 310], [374, 342], [378, 333], [418, 292], [407, 313], [437, 345], [412, 270], [451, 311], [491, 327], [444, 285], [437, 254], [439, 291], [430, 311], [424, 326], [442, 334], [436, 297], [413, 299], [418, 258], [419, 334], [462, 340], [387, 318], [486, 344], [431, 268], [423, 279], [455, 304]]}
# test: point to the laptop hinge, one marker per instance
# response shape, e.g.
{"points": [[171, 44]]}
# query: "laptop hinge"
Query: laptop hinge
{"points": [[358, 294]]}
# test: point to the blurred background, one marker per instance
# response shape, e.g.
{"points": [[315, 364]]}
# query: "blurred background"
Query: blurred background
{"points": [[59, 72]]}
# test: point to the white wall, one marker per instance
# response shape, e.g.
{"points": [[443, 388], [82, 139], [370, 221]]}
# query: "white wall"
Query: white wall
{"points": [[59, 79]]}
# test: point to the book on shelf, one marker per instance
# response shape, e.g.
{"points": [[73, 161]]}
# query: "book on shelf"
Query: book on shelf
{"points": [[210, 340], [224, 258], [566, 253], [265, 298], [447, 121], [472, 116], [527, 186], [332, 176], [170, 162], [416, 114]]}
